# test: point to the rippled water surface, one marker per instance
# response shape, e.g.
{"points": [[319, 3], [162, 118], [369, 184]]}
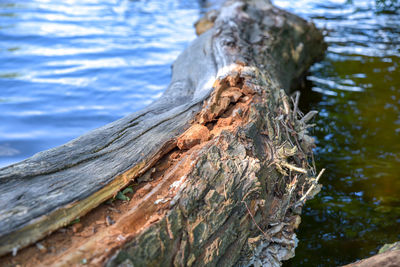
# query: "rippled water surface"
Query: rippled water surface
{"points": [[70, 66], [357, 91]]}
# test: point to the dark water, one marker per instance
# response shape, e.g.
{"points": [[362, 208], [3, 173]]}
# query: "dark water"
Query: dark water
{"points": [[69, 66], [357, 91]]}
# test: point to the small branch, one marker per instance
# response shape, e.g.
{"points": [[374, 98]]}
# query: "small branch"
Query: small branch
{"points": [[312, 186], [309, 116], [285, 102], [296, 105], [293, 168], [252, 217]]}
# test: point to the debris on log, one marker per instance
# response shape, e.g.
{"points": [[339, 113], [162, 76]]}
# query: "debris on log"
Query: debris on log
{"points": [[218, 168]]}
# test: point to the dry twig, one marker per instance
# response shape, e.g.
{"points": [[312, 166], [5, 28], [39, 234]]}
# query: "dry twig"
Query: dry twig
{"points": [[312, 186]]}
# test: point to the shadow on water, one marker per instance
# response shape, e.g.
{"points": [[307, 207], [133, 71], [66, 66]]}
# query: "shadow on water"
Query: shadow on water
{"points": [[356, 88]]}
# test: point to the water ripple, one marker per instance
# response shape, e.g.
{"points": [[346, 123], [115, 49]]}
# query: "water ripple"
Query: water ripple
{"points": [[70, 66]]}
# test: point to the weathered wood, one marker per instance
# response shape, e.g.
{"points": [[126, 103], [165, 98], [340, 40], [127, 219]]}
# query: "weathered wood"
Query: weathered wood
{"points": [[388, 256], [52, 188], [252, 51]]}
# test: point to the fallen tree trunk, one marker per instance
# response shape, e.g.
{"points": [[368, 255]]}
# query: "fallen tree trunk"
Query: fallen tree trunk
{"points": [[220, 163]]}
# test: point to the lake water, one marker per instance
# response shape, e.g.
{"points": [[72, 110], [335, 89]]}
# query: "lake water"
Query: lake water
{"points": [[357, 91], [70, 66]]}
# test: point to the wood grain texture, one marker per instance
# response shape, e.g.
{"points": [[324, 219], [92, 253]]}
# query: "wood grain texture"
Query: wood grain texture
{"points": [[52, 188]]}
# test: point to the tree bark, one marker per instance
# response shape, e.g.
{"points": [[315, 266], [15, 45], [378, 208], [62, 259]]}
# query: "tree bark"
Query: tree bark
{"points": [[224, 158]]}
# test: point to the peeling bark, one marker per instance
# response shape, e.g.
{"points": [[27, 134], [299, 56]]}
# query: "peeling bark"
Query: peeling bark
{"points": [[220, 163]]}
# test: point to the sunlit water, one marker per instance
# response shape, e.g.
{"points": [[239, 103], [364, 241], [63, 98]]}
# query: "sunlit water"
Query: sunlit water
{"points": [[70, 66]]}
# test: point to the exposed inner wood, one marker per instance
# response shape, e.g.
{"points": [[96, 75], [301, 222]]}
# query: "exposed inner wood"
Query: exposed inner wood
{"points": [[54, 187], [226, 110], [220, 164]]}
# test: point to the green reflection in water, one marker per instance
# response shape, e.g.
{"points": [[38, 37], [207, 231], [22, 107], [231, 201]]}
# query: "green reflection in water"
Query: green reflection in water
{"points": [[10, 75], [13, 49], [7, 15], [358, 135]]}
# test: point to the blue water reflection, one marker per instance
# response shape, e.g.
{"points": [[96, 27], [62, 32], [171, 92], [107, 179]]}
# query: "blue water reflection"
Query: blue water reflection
{"points": [[71, 66]]}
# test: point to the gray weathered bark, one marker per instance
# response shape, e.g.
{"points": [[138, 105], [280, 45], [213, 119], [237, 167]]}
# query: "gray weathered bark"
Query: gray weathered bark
{"points": [[237, 199]]}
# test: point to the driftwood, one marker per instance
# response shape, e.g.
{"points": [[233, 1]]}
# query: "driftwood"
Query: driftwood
{"points": [[388, 255], [220, 164]]}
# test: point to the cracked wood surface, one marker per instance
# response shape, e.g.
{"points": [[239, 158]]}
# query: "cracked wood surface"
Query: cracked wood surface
{"points": [[52, 188]]}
